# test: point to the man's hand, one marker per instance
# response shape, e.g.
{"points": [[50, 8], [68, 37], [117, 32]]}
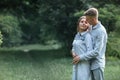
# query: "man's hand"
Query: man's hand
{"points": [[76, 59]]}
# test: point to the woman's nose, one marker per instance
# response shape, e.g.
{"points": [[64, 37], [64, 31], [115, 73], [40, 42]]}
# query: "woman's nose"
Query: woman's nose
{"points": [[84, 23]]}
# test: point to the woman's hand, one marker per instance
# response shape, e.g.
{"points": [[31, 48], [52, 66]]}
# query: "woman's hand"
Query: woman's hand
{"points": [[76, 59], [74, 54]]}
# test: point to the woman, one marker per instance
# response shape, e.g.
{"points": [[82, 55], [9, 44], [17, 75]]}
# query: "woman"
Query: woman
{"points": [[81, 44]]}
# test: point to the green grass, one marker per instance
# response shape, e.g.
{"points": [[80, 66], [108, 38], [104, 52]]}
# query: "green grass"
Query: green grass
{"points": [[34, 47], [112, 69], [45, 65], [35, 65]]}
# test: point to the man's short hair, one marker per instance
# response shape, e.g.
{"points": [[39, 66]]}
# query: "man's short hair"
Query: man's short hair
{"points": [[91, 12]]}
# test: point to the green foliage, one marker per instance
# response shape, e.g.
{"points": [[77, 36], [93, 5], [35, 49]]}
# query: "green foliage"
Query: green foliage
{"points": [[31, 31], [109, 16], [113, 47], [1, 38], [42, 21], [57, 20], [117, 24], [10, 29]]}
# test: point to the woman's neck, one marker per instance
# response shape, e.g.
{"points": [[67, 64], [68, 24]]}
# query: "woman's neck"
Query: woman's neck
{"points": [[82, 31]]}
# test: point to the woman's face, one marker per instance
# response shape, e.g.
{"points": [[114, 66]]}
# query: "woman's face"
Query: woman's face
{"points": [[83, 24]]}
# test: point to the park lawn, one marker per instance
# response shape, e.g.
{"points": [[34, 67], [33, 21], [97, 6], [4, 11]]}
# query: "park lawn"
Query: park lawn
{"points": [[112, 69], [35, 65], [45, 65]]}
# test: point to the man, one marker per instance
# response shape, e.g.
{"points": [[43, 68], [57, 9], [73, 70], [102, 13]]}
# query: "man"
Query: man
{"points": [[99, 38]]}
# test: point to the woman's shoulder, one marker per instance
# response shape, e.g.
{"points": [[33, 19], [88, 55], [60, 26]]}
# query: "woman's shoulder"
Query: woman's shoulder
{"points": [[76, 35], [87, 34]]}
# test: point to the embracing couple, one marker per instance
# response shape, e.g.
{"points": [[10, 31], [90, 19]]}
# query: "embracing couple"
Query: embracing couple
{"points": [[89, 46]]}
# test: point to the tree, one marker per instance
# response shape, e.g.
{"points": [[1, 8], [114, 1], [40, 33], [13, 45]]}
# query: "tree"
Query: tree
{"points": [[58, 17], [10, 29]]}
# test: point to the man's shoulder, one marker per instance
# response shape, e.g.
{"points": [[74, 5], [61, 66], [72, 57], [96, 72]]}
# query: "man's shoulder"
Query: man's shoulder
{"points": [[101, 29]]}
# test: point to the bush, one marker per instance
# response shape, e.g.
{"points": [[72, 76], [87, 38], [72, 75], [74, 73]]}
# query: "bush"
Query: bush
{"points": [[10, 29], [113, 47], [0, 38]]}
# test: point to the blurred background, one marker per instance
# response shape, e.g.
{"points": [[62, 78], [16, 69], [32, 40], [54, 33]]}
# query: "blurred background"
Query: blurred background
{"points": [[36, 37]]}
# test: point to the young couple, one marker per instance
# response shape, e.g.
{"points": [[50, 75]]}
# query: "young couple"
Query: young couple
{"points": [[89, 47]]}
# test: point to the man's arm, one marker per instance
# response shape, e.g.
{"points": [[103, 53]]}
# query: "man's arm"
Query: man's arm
{"points": [[99, 43], [89, 47]]}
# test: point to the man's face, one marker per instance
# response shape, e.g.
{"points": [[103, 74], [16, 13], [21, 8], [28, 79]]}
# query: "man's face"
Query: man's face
{"points": [[90, 19]]}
